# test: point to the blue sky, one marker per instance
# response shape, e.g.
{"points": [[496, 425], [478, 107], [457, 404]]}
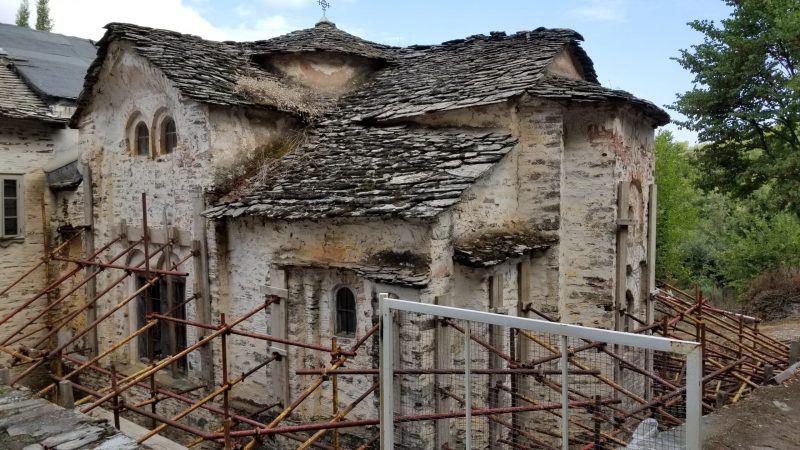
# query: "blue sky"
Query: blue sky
{"points": [[630, 41]]}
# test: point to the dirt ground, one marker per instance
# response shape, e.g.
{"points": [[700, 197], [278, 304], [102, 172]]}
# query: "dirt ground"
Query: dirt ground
{"points": [[768, 419], [783, 330]]}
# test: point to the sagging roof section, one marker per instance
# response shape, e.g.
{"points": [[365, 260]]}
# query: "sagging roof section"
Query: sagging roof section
{"points": [[351, 170], [52, 65]]}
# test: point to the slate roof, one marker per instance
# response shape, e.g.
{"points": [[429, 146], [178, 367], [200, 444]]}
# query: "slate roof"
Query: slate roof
{"points": [[324, 37], [53, 65], [357, 162], [17, 100], [479, 70], [496, 246], [29, 422], [202, 70], [380, 273], [351, 170]]}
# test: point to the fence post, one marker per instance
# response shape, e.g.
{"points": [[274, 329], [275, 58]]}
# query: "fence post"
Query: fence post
{"points": [[564, 393], [694, 382], [468, 384], [386, 374]]}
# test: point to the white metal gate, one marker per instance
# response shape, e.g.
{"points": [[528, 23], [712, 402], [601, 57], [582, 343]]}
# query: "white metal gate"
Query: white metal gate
{"points": [[565, 371]]}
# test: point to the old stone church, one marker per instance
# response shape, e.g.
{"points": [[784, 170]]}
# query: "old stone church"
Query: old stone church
{"points": [[492, 172]]}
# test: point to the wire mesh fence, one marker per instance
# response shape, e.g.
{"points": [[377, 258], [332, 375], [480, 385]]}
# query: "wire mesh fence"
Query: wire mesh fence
{"points": [[455, 379]]}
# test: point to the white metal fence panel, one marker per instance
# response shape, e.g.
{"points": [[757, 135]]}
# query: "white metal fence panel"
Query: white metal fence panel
{"points": [[454, 378]]}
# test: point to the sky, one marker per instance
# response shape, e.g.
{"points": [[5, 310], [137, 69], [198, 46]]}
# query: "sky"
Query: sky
{"points": [[630, 41]]}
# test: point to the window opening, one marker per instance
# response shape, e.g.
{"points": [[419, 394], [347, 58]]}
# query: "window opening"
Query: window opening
{"points": [[10, 191], [142, 139], [169, 137], [158, 301], [345, 312]]}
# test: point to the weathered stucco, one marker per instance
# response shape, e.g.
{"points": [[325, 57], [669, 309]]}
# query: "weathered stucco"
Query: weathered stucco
{"points": [[25, 147], [330, 73]]}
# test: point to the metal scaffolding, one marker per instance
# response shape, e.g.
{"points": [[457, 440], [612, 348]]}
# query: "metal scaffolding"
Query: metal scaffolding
{"points": [[736, 359]]}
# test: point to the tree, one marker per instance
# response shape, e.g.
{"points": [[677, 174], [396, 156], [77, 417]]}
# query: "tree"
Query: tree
{"points": [[23, 15], [678, 212], [746, 101], [43, 20]]}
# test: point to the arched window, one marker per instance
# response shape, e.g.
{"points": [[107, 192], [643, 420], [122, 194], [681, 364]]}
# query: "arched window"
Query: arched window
{"points": [[142, 139], [163, 342], [345, 312], [169, 136]]}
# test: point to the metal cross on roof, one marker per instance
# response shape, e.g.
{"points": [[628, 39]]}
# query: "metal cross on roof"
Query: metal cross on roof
{"points": [[324, 5]]}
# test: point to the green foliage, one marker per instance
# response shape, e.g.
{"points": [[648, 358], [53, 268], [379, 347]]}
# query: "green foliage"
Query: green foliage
{"points": [[23, 15], [678, 215], [43, 20], [746, 100], [759, 244], [711, 239]]}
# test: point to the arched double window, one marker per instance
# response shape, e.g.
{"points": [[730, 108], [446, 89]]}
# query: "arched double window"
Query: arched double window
{"points": [[142, 139], [169, 136], [345, 312]]}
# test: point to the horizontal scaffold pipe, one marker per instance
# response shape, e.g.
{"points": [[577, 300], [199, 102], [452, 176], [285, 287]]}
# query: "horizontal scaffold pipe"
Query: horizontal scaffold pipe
{"points": [[356, 371], [63, 297], [410, 418], [41, 262], [53, 285], [173, 358], [87, 262], [264, 337]]}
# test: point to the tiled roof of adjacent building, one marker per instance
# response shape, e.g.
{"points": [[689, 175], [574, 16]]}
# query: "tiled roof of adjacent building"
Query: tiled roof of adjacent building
{"points": [[351, 170], [52, 65], [17, 100], [39, 70]]}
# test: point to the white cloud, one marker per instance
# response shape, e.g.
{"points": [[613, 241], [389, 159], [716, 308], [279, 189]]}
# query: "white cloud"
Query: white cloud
{"points": [[86, 18], [602, 10]]}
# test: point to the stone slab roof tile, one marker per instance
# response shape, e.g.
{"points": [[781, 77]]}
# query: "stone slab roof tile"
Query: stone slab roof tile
{"points": [[582, 91], [479, 70], [350, 170], [387, 274], [496, 246], [324, 37], [203, 70]]}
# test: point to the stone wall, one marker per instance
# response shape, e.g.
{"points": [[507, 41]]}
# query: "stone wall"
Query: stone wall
{"points": [[310, 259], [25, 147]]}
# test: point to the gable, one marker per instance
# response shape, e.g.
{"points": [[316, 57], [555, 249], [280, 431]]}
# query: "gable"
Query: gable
{"points": [[565, 65]]}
